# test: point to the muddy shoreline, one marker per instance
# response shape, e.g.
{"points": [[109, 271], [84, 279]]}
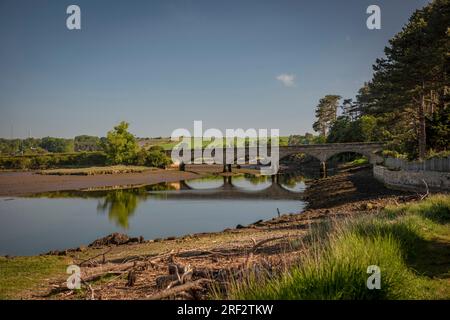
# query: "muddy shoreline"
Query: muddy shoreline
{"points": [[26, 183]]}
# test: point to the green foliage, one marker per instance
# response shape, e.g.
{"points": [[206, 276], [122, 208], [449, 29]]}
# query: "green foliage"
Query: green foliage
{"points": [[154, 157], [340, 131], [363, 129], [157, 159], [442, 154], [121, 146], [438, 130], [20, 274], [35, 146], [57, 145], [51, 160], [359, 162], [120, 205], [410, 84], [326, 112], [87, 143], [393, 154], [90, 171], [308, 138]]}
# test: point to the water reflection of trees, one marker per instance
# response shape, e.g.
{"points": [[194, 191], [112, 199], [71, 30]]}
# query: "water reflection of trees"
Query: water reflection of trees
{"points": [[291, 180], [208, 182], [121, 205], [255, 179]]}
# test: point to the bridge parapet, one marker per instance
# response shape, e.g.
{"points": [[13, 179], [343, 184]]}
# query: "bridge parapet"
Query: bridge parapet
{"points": [[320, 151]]}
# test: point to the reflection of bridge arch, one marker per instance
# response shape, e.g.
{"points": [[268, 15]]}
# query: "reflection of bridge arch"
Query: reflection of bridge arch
{"points": [[285, 187], [274, 190], [234, 181], [214, 184]]}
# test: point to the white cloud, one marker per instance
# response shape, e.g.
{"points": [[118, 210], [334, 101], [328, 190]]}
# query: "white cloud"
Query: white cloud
{"points": [[287, 79]]}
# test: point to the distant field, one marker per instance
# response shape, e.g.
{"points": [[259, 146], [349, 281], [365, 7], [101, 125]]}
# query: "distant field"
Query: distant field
{"points": [[167, 144]]}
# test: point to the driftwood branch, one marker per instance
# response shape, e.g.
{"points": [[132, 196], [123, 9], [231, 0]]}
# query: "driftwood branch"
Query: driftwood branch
{"points": [[184, 287], [92, 258], [428, 190], [90, 289]]}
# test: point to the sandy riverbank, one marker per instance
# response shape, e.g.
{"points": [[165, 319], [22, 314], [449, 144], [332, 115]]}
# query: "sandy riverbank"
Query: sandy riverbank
{"points": [[25, 183]]}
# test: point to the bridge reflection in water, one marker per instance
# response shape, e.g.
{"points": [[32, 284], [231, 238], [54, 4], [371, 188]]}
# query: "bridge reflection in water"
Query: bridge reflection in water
{"points": [[121, 204], [277, 187], [208, 204]]}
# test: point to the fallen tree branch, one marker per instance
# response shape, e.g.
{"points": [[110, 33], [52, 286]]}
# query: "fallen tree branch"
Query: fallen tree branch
{"points": [[256, 245], [90, 289], [101, 254], [174, 290], [428, 190]]}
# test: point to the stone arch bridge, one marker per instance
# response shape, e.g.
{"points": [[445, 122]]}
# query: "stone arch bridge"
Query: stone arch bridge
{"points": [[322, 152]]}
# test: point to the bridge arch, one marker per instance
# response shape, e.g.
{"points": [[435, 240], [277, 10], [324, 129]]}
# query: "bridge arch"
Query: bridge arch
{"points": [[368, 155]]}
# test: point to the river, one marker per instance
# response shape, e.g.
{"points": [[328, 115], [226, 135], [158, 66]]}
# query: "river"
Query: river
{"points": [[66, 219]]}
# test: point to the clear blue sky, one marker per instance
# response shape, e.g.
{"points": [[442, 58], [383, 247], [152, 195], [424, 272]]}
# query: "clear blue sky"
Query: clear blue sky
{"points": [[160, 65]]}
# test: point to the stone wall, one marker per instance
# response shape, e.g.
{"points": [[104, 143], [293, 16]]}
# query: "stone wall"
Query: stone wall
{"points": [[412, 180], [434, 164]]}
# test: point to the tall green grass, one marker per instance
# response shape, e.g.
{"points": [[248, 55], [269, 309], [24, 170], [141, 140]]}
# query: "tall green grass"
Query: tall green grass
{"points": [[405, 242]]}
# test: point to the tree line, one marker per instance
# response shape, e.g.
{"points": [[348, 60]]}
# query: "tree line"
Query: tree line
{"points": [[118, 147], [406, 103], [50, 144]]}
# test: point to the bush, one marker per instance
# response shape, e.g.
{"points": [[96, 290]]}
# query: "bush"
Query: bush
{"points": [[46, 161], [141, 157], [158, 159], [393, 154], [120, 145]]}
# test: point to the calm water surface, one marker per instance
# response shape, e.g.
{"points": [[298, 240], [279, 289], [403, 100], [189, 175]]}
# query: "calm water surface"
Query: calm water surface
{"points": [[67, 219]]}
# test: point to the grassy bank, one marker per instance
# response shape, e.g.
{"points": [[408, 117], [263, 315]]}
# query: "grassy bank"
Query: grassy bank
{"points": [[19, 275], [410, 244], [96, 170]]}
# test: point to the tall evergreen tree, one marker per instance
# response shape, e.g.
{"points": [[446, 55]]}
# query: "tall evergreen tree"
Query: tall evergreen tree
{"points": [[411, 83], [326, 113]]}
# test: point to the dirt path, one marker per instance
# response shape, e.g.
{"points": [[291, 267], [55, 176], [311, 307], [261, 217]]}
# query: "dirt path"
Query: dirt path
{"points": [[24, 183]]}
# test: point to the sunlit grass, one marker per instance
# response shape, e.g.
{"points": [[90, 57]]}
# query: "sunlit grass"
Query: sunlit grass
{"points": [[410, 244], [19, 274], [96, 170]]}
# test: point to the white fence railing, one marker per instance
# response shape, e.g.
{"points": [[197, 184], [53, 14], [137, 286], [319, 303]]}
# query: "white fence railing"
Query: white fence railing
{"points": [[434, 164]]}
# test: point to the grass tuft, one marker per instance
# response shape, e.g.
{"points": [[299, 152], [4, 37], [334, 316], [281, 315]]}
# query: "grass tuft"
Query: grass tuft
{"points": [[409, 243]]}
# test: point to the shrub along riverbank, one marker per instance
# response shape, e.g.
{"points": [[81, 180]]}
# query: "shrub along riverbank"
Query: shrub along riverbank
{"points": [[95, 170], [409, 243], [151, 158], [53, 160]]}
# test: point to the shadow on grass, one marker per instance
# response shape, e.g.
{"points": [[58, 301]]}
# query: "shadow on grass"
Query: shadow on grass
{"points": [[425, 257]]}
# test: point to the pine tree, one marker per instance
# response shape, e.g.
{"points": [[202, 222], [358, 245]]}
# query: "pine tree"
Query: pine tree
{"points": [[326, 114]]}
